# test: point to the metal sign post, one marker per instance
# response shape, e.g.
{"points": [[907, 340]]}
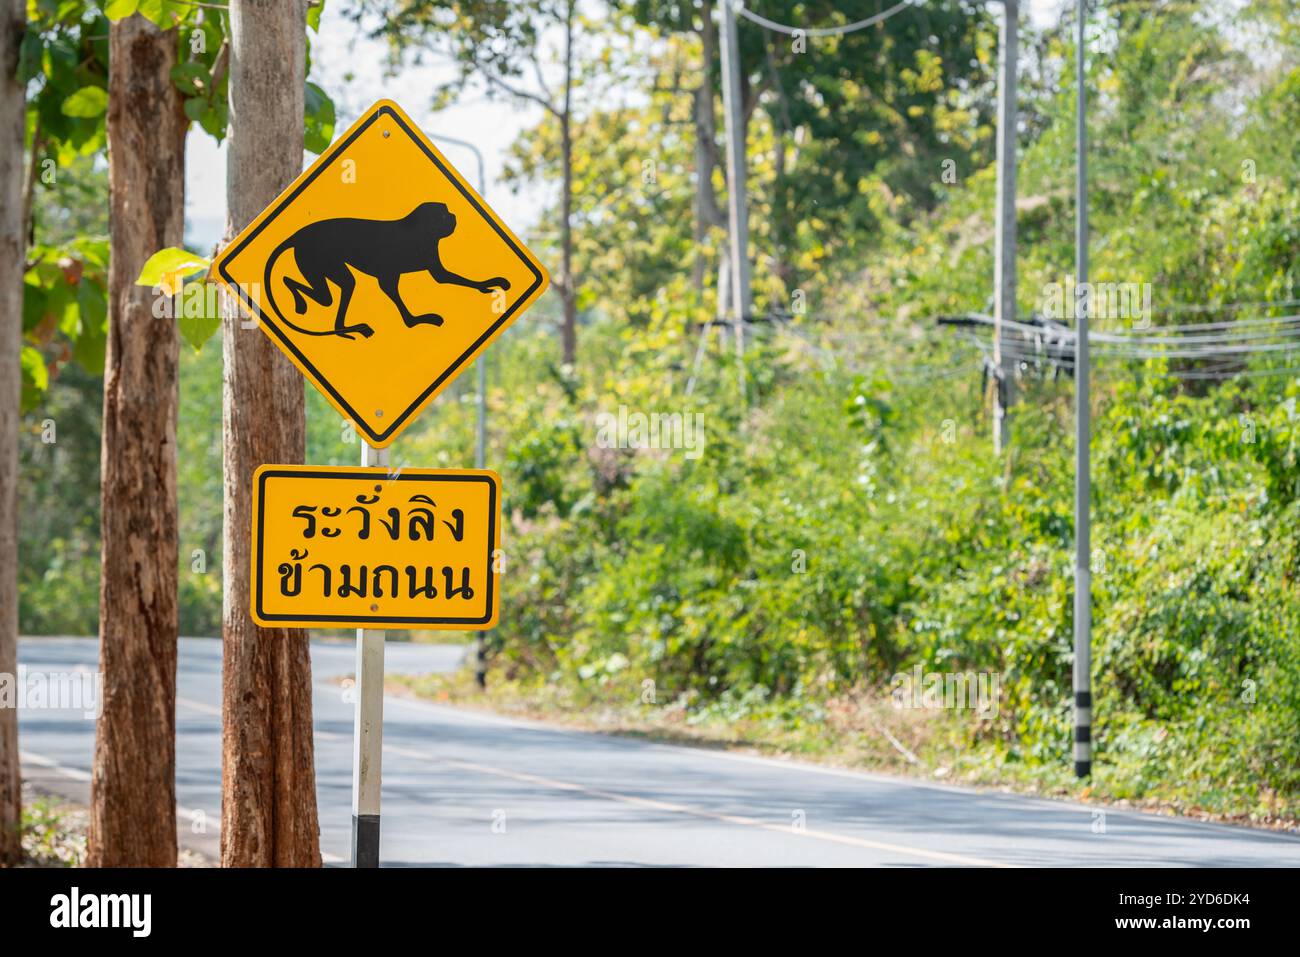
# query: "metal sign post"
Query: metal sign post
{"points": [[368, 726]]}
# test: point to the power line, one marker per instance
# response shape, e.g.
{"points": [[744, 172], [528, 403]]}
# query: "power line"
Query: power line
{"points": [[913, 374], [1139, 340], [1226, 307], [1141, 354], [822, 31], [1227, 353]]}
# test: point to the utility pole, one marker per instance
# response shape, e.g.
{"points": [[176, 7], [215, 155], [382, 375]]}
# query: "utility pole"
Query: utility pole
{"points": [[1004, 266], [1082, 435], [480, 425], [737, 211]]}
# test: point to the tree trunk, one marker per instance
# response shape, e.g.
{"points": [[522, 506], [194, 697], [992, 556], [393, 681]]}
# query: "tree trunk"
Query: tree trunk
{"points": [[568, 290], [268, 784], [12, 249], [708, 215], [133, 781]]}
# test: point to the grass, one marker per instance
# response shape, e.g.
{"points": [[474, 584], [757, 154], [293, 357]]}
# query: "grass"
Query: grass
{"points": [[54, 832]]}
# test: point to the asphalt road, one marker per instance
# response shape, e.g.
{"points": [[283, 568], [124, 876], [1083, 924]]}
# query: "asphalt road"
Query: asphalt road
{"points": [[463, 788]]}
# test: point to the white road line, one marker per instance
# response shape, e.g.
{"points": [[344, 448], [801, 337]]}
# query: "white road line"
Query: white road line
{"points": [[199, 706], [558, 785], [205, 708], [73, 774], [77, 774]]}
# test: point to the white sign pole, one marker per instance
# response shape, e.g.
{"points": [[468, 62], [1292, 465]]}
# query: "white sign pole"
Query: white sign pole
{"points": [[368, 726]]}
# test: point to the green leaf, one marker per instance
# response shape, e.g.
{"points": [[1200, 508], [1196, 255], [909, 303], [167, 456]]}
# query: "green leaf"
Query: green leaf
{"points": [[33, 303], [59, 63], [198, 313], [93, 305], [159, 12], [93, 251], [57, 296], [70, 320], [88, 102], [213, 120], [313, 16], [166, 267], [92, 338], [191, 78], [318, 119], [29, 55], [36, 377], [120, 9]]}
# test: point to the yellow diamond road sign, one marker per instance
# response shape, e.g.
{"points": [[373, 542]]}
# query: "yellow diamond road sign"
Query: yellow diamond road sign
{"points": [[381, 273], [408, 548]]}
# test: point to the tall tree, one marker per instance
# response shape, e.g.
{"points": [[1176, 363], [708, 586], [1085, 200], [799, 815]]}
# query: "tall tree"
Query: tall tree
{"points": [[133, 782], [268, 785], [12, 248]]}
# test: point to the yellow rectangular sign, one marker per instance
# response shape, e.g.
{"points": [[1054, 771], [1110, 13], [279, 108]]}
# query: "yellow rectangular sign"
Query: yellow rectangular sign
{"points": [[343, 546]]}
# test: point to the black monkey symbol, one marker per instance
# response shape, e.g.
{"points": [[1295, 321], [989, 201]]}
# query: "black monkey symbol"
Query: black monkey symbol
{"points": [[384, 249]]}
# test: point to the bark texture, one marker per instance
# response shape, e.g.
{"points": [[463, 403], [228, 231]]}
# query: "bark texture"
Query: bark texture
{"points": [[12, 252], [268, 798], [133, 781]]}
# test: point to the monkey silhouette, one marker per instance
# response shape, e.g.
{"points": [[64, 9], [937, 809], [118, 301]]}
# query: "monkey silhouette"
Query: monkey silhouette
{"points": [[384, 249]]}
